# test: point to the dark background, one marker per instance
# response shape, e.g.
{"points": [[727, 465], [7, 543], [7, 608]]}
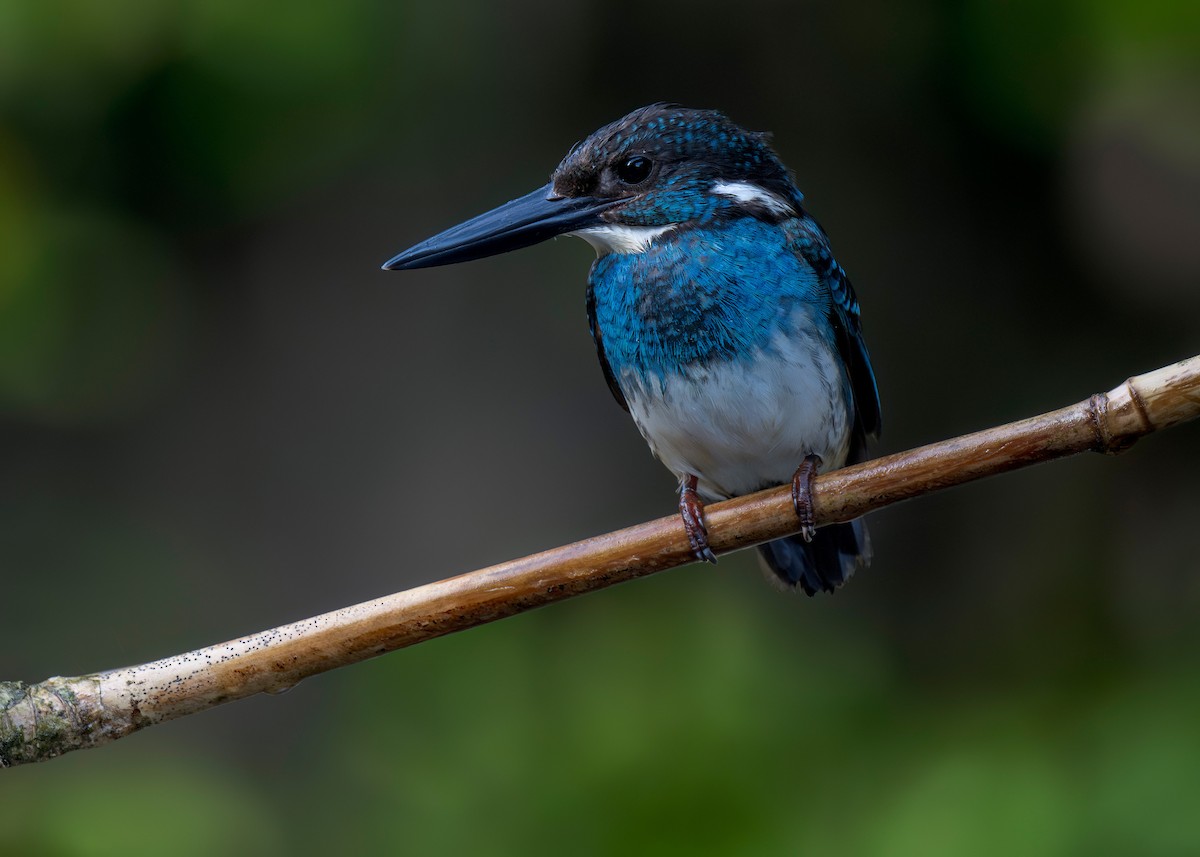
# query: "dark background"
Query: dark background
{"points": [[218, 415]]}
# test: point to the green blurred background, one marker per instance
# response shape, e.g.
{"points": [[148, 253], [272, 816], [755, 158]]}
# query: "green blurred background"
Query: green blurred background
{"points": [[218, 415]]}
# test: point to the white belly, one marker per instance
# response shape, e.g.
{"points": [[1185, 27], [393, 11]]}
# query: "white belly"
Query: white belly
{"points": [[744, 424]]}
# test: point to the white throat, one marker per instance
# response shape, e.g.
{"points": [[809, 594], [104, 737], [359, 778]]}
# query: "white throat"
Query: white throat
{"points": [[616, 238]]}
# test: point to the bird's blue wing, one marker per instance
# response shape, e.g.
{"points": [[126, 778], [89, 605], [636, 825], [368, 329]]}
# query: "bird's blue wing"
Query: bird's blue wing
{"points": [[809, 241], [854, 352], [598, 338]]}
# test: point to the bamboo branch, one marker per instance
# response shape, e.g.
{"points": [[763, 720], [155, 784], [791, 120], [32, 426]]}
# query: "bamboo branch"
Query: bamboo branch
{"points": [[44, 720]]}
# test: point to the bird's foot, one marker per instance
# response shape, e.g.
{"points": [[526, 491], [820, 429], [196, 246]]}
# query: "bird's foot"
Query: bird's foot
{"points": [[691, 510], [802, 495]]}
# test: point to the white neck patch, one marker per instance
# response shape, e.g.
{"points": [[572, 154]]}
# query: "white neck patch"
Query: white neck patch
{"points": [[748, 192], [617, 238]]}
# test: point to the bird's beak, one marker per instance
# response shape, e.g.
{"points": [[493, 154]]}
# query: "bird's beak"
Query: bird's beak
{"points": [[520, 223]]}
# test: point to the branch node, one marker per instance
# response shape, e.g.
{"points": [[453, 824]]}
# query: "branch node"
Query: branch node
{"points": [[1098, 415]]}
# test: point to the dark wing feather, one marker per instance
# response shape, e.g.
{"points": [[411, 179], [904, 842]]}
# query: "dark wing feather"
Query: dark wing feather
{"points": [[812, 244], [598, 338], [858, 365]]}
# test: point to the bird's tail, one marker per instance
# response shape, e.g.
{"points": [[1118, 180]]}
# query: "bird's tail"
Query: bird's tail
{"points": [[823, 564]]}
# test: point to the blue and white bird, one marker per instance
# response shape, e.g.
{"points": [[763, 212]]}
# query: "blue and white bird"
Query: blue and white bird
{"points": [[723, 323]]}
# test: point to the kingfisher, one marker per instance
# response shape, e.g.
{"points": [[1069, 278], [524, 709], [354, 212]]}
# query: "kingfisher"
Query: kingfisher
{"points": [[723, 323]]}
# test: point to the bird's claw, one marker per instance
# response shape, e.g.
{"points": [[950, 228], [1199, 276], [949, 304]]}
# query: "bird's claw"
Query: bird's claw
{"points": [[691, 511], [802, 495]]}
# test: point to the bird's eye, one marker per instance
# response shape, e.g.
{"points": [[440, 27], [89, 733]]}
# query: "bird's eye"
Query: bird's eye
{"points": [[634, 170]]}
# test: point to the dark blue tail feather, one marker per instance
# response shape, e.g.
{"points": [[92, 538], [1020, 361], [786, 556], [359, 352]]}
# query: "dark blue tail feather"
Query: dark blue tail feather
{"points": [[823, 564]]}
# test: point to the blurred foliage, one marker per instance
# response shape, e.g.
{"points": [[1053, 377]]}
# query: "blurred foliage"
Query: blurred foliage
{"points": [[216, 415], [1029, 64]]}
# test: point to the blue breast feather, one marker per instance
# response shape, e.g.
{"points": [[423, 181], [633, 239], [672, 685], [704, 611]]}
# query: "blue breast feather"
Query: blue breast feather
{"points": [[700, 294]]}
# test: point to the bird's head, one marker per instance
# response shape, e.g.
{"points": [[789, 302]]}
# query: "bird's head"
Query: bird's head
{"points": [[631, 181]]}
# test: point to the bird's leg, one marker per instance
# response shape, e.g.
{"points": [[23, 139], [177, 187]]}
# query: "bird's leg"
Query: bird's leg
{"points": [[691, 510], [802, 495]]}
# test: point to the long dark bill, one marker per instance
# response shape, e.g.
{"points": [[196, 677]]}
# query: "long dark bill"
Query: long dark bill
{"points": [[520, 223]]}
